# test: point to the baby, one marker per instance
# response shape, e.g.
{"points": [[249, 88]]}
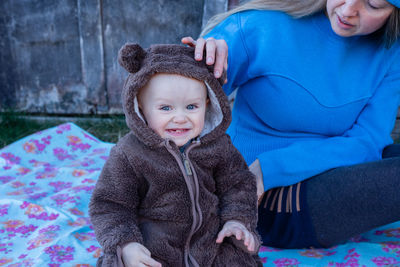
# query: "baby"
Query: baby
{"points": [[174, 191]]}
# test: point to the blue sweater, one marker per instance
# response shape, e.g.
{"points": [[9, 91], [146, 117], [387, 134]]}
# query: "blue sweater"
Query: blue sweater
{"points": [[308, 100]]}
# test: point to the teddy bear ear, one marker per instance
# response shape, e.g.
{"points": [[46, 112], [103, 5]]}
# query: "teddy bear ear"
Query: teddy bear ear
{"points": [[130, 56]]}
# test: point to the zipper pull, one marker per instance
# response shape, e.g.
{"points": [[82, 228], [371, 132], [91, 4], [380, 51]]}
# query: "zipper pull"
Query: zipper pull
{"points": [[187, 167], [186, 164]]}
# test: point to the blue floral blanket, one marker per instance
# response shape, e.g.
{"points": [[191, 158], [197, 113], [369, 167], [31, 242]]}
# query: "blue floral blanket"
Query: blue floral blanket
{"points": [[46, 180]]}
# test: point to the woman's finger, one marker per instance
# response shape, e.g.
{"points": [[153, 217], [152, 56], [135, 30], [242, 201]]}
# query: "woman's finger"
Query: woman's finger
{"points": [[199, 49], [216, 52], [188, 41], [221, 58], [198, 45], [210, 51]]}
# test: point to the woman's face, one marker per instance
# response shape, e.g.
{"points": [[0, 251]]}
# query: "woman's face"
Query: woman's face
{"points": [[357, 17]]}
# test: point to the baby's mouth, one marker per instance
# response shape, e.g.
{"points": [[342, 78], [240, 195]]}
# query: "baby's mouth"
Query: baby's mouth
{"points": [[177, 131]]}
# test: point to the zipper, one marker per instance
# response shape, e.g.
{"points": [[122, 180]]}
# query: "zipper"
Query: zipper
{"points": [[192, 184], [197, 218]]}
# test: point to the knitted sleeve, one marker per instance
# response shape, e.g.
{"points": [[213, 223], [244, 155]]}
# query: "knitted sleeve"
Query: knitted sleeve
{"points": [[114, 202], [230, 30], [363, 142]]}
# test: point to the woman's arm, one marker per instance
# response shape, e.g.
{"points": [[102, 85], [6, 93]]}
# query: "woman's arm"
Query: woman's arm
{"points": [[363, 142], [224, 46]]}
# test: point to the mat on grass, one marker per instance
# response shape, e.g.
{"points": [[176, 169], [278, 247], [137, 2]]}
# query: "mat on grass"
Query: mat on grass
{"points": [[46, 180]]}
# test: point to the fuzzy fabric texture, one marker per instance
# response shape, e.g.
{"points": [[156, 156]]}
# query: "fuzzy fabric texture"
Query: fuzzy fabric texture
{"points": [[143, 193], [173, 59]]}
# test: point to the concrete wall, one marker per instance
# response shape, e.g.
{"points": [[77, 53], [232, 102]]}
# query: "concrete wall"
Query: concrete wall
{"points": [[59, 57]]}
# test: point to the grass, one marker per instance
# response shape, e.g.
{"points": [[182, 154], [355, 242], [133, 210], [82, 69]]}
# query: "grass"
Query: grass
{"points": [[14, 126]]}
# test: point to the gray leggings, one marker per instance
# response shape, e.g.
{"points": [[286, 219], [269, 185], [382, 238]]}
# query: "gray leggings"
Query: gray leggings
{"points": [[347, 201]]}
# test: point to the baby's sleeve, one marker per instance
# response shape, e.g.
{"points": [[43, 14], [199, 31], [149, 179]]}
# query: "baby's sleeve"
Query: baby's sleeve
{"points": [[114, 202], [236, 187]]}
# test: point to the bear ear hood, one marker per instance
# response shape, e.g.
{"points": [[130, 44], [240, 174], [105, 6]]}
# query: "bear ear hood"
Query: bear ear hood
{"points": [[142, 64], [130, 57]]}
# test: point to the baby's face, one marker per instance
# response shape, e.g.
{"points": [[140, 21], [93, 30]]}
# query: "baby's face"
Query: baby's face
{"points": [[174, 106]]}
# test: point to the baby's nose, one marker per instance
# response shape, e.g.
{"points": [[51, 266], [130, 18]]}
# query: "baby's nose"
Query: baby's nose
{"points": [[179, 118]]}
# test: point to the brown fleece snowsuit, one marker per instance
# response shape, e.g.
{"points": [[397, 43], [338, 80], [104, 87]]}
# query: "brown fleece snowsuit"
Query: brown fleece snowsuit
{"points": [[173, 202]]}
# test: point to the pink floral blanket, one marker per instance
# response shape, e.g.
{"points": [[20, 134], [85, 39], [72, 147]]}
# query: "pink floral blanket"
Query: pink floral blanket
{"points": [[46, 180]]}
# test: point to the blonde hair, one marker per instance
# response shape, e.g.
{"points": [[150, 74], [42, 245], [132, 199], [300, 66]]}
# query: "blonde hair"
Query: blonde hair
{"points": [[390, 33], [295, 8], [392, 28]]}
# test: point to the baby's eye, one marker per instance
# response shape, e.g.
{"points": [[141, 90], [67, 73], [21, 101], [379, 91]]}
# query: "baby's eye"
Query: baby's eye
{"points": [[166, 108], [191, 106]]}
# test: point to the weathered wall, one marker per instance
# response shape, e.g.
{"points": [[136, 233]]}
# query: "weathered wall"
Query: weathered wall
{"points": [[60, 56], [44, 55]]}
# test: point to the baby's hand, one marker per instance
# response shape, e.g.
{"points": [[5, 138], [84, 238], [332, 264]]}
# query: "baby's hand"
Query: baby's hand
{"points": [[237, 229], [134, 254]]}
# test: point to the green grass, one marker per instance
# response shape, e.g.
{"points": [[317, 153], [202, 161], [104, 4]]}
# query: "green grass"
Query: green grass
{"points": [[15, 126]]}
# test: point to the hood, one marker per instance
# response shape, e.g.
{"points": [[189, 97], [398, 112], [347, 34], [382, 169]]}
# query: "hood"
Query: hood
{"points": [[142, 64]]}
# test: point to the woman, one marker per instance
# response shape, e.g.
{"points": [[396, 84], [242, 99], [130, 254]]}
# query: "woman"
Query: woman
{"points": [[318, 91]]}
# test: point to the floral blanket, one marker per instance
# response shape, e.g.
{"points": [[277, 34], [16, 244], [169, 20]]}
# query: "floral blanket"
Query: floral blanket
{"points": [[46, 180]]}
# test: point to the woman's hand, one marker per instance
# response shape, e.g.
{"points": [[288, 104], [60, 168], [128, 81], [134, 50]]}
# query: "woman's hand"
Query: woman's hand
{"points": [[135, 255], [255, 168], [216, 52], [237, 229]]}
